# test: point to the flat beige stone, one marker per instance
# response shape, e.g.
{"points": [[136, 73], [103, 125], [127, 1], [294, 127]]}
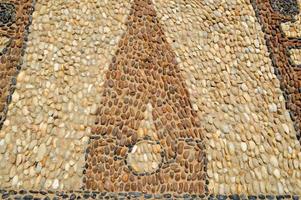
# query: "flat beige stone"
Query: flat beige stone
{"points": [[4, 41]]}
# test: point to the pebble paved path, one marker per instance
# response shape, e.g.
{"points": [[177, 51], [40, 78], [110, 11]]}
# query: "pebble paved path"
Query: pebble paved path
{"points": [[150, 99]]}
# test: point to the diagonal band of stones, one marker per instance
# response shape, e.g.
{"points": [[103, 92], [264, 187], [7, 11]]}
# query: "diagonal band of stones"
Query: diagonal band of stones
{"points": [[15, 18], [270, 14]]}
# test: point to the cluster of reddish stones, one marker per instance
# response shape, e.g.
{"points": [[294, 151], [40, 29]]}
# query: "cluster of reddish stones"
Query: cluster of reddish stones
{"points": [[144, 71], [271, 13], [14, 21]]}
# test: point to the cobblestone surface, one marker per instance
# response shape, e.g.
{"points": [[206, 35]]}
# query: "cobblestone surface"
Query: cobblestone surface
{"points": [[233, 85], [43, 140], [279, 46], [150, 99]]}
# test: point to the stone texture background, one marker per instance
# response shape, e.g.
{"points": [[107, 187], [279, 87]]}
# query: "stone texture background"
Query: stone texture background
{"points": [[251, 144]]}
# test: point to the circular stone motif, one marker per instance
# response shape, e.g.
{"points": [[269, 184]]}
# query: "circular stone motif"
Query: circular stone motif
{"points": [[144, 157]]}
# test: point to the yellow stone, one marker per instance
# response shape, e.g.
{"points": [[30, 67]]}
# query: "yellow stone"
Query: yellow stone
{"points": [[140, 133]]}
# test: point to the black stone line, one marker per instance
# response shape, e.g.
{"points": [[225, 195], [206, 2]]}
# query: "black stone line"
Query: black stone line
{"points": [[42, 194]]}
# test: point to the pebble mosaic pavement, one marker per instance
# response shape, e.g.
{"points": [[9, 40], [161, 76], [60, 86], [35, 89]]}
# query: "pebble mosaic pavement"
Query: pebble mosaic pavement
{"points": [[150, 99]]}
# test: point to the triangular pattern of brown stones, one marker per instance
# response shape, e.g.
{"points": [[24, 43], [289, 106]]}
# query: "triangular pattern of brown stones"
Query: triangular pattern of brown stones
{"points": [[144, 75], [15, 18]]}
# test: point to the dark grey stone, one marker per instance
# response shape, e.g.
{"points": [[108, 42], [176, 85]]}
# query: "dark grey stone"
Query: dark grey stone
{"points": [[28, 197], [285, 7], [7, 13], [148, 196]]}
